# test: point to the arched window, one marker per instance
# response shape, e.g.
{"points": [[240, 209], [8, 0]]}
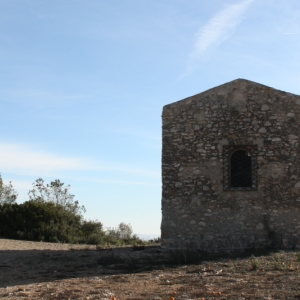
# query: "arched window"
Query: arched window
{"points": [[241, 169]]}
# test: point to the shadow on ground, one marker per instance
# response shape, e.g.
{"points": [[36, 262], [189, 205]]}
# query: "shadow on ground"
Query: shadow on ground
{"points": [[34, 266]]}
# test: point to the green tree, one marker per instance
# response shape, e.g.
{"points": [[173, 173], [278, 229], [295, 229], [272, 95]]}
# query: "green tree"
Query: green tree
{"points": [[56, 193], [7, 193], [123, 231]]}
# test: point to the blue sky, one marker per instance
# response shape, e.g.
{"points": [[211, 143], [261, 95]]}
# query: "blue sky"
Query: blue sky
{"points": [[83, 83]]}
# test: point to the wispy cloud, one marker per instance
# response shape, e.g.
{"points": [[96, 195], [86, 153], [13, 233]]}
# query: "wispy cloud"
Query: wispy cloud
{"points": [[217, 30], [123, 182], [25, 160], [37, 99]]}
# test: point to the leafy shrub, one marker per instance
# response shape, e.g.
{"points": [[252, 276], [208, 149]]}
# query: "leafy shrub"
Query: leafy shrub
{"points": [[122, 232], [255, 264], [53, 215], [46, 221], [155, 241]]}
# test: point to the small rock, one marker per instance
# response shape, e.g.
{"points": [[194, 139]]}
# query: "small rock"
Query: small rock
{"points": [[262, 130], [291, 115], [268, 123]]}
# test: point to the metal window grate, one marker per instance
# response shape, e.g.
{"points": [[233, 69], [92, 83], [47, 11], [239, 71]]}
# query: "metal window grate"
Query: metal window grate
{"points": [[240, 167]]}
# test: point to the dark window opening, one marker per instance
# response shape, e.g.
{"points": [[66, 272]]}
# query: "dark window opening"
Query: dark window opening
{"points": [[241, 169]]}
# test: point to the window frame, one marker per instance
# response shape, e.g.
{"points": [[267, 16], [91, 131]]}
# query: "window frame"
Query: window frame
{"points": [[228, 150]]}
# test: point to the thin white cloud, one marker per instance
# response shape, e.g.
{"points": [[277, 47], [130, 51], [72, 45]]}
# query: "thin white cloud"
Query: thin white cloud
{"points": [[123, 182], [24, 160], [217, 30], [37, 99]]}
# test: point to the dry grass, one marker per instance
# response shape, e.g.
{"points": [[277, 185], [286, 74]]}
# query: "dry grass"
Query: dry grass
{"points": [[30, 270]]}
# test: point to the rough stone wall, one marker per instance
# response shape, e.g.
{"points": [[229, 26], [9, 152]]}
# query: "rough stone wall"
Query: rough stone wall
{"points": [[196, 211]]}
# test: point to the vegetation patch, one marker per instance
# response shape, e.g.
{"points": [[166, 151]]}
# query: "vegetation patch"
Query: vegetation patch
{"points": [[53, 215]]}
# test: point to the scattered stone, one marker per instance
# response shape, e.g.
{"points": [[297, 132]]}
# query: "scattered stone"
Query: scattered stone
{"points": [[262, 130]]}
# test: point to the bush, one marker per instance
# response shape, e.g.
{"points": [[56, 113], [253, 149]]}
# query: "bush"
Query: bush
{"points": [[51, 222], [47, 221], [155, 241], [52, 215], [255, 264], [122, 235], [122, 232]]}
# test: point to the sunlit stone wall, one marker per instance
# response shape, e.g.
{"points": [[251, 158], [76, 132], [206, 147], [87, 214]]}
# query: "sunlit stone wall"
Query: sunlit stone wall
{"points": [[198, 211]]}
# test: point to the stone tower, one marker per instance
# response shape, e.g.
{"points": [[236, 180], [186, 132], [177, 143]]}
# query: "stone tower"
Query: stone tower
{"points": [[231, 169]]}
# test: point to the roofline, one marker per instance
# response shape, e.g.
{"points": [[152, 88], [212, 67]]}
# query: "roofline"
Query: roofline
{"points": [[227, 83]]}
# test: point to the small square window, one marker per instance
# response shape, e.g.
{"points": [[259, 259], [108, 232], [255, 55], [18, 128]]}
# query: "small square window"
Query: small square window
{"points": [[240, 167]]}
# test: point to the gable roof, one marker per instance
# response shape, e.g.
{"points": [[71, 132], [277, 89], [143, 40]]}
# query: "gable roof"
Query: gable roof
{"points": [[231, 86]]}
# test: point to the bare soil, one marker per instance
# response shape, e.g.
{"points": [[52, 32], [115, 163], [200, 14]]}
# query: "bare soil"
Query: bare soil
{"points": [[37, 270]]}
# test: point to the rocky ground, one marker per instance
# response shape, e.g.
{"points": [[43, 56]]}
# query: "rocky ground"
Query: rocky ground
{"points": [[36, 270]]}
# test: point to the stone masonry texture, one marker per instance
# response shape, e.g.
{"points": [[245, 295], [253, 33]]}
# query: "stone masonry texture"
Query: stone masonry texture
{"points": [[199, 209]]}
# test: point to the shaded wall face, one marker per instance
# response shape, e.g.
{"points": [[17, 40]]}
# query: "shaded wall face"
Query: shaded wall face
{"points": [[199, 208]]}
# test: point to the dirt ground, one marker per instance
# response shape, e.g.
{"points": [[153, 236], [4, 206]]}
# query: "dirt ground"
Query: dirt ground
{"points": [[37, 270]]}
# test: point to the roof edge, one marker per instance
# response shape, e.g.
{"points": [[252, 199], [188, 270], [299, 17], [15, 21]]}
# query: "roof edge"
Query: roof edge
{"points": [[238, 80]]}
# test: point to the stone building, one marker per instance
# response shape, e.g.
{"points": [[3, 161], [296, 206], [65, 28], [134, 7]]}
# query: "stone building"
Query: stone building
{"points": [[231, 169]]}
